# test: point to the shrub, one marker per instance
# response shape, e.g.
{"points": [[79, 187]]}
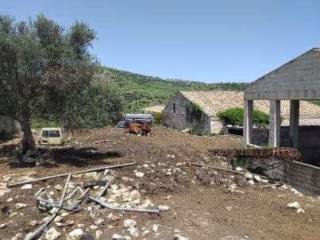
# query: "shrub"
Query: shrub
{"points": [[234, 116]]}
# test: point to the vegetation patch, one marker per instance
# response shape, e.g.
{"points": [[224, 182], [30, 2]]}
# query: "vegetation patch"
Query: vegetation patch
{"points": [[234, 116]]}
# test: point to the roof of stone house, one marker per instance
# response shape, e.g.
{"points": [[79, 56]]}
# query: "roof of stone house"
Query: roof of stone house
{"points": [[154, 109], [212, 102]]}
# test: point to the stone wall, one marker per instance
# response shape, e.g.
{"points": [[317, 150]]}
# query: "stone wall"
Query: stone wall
{"points": [[300, 175], [180, 119]]}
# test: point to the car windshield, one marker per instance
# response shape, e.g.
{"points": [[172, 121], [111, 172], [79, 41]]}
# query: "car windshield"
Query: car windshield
{"points": [[54, 133]]}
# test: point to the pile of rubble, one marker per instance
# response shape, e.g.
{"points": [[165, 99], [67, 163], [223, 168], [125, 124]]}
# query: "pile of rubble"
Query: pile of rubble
{"points": [[95, 192]]}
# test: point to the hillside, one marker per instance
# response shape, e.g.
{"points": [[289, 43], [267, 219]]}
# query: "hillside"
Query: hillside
{"points": [[140, 91]]}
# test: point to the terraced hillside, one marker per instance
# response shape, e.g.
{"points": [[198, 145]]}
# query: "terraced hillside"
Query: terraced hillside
{"points": [[140, 91]]}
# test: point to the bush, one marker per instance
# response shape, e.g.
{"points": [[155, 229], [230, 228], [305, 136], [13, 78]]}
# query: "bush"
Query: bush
{"points": [[234, 116]]}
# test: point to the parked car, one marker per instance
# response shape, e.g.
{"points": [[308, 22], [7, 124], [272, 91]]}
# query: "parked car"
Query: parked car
{"points": [[51, 136]]}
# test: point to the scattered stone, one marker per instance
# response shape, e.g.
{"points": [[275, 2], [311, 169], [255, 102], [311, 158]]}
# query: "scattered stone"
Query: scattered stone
{"points": [[93, 227], [98, 234], [117, 237], [4, 191], [155, 227], [9, 199], [26, 186], [139, 174], [20, 205], [58, 187], [76, 234], [129, 223], [248, 175], [33, 223], [228, 208], [133, 232], [145, 232], [18, 236], [52, 234], [295, 205], [164, 207], [99, 221], [179, 237], [3, 225]]}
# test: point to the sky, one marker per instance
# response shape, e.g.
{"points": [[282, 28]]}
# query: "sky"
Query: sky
{"points": [[200, 40]]}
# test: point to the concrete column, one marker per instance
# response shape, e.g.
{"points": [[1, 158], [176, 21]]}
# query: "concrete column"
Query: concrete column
{"points": [[274, 123], [294, 123], [247, 122]]}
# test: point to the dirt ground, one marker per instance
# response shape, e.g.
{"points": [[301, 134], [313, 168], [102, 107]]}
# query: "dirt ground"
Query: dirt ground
{"points": [[201, 205]]}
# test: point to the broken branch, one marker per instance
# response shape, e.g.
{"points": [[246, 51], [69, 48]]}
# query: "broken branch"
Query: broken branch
{"points": [[75, 172]]}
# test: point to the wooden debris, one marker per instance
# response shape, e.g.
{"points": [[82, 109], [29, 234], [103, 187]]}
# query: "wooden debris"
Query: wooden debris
{"points": [[37, 233], [75, 172]]}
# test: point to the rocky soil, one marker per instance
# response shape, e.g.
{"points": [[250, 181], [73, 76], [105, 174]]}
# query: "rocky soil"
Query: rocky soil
{"points": [[194, 202]]}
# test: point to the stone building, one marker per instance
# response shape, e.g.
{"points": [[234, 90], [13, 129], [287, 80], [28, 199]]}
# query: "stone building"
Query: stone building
{"points": [[197, 110]]}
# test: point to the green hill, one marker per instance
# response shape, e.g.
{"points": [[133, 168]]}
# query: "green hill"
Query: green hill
{"points": [[140, 91]]}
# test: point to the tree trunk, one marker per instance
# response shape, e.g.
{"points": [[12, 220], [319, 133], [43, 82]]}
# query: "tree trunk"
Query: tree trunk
{"points": [[27, 139]]}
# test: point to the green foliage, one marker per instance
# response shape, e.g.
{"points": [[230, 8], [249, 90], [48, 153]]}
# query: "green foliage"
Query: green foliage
{"points": [[140, 91], [234, 116], [41, 66], [157, 117], [195, 112], [96, 107]]}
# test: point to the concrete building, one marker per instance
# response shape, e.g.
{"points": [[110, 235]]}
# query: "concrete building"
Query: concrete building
{"points": [[294, 81], [198, 110]]}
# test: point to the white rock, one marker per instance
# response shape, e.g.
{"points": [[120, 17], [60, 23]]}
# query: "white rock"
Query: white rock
{"points": [[117, 237], [20, 205], [179, 237], [155, 227], [98, 234], [129, 223], [18, 236], [26, 186], [251, 182], [294, 205], [4, 191], [228, 208], [76, 234], [300, 210], [248, 175], [10, 199], [3, 225], [139, 174], [164, 207], [58, 187], [145, 232], [133, 232], [239, 169], [99, 221], [52, 234], [33, 223], [93, 227]]}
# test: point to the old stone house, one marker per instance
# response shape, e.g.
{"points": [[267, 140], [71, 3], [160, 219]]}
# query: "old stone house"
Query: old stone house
{"points": [[198, 110]]}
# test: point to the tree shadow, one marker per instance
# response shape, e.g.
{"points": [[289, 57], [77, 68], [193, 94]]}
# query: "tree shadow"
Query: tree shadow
{"points": [[82, 156], [52, 157]]}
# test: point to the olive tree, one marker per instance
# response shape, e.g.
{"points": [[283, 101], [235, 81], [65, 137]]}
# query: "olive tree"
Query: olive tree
{"points": [[42, 66]]}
